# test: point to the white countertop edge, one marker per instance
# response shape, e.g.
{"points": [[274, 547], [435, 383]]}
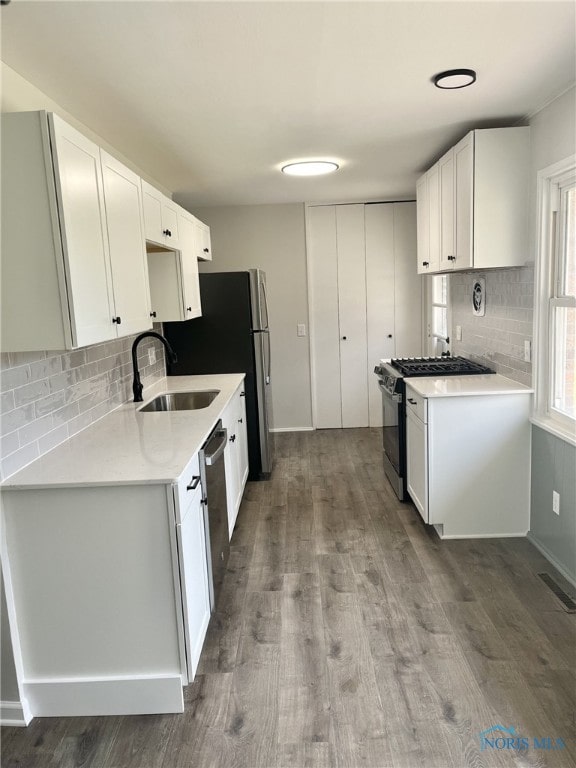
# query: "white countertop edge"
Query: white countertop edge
{"points": [[466, 386], [45, 471]]}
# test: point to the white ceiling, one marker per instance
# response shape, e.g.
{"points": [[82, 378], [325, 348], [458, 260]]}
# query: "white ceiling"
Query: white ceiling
{"points": [[210, 98]]}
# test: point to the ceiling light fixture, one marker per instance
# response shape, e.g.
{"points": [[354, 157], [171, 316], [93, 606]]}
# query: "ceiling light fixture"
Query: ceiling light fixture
{"points": [[454, 78], [310, 168]]}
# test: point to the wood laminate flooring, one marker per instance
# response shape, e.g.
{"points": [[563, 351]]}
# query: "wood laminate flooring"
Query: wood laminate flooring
{"points": [[349, 636]]}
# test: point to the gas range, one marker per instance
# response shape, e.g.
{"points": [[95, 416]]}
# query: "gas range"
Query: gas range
{"points": [[392, 372]]}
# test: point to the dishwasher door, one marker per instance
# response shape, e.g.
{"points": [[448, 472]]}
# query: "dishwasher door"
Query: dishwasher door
{"points": [[213, 476]]}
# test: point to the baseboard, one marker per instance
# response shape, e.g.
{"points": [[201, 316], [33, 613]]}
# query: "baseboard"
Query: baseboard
{"points": [[13, 713], [293, 429], [550, 557], [138, 695], [521, 535]]}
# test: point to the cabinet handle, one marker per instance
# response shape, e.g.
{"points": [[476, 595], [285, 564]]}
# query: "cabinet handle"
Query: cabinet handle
{"points": [[194, 483], [242, 394], [425, 263], [240, 421], [117, 320], [412, 401], [152, 314], [167, 232], [206, 250], [232, 438], [451, 258], [188, 309]]}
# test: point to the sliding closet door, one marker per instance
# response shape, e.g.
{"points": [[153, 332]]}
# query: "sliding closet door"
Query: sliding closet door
{"points": [[351, 249]]}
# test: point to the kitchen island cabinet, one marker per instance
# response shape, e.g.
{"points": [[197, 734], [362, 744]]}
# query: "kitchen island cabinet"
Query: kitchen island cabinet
{"points": [[104, 561], [468, 454]]}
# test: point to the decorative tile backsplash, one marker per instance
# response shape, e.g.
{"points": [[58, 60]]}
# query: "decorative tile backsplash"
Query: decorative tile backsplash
{"points": [[496, 339], [46, 397]]}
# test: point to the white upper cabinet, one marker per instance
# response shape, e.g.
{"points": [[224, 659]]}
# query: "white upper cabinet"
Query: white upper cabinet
{"points": [[125, 227], [483, 185], [160, 217], [204, 245], [63, 244], [174, 282], [428, 221]]}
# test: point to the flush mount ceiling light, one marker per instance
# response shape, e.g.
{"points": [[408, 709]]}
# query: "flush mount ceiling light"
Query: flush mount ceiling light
{"points": [[310, 168], [454, 78]]}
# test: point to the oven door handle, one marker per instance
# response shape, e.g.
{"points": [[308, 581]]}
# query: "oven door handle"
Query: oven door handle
{"points": [[396, 397]]}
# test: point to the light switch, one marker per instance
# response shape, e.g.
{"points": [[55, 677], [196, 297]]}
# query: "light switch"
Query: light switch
{"points": [[301, 329]]}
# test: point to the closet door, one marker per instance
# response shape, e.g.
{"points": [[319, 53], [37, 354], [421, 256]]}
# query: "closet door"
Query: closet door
{"points": [[380, 281], [324, 326], [351, 250]]}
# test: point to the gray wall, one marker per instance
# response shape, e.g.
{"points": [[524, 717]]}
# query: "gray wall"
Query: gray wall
{"points": [[272, 238], [497, 339], [553, 138]]}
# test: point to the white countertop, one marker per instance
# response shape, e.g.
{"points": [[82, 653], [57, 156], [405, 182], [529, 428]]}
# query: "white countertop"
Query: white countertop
{"points": [[127, 447], [466, 386]]}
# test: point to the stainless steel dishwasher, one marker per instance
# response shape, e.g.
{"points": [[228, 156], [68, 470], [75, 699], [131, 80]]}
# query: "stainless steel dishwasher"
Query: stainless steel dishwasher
{"points": [[213, 476]]}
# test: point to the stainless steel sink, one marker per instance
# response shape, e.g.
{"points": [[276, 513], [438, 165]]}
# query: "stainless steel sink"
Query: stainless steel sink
{"points": [[182, 401]]}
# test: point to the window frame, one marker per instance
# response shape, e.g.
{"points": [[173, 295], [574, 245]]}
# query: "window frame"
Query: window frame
{"points": [[550, 183], [432, 338]]}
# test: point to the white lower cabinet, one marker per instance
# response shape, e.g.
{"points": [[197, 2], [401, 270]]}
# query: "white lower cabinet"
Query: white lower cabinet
{"points": [[235, 455], [109, 618], [468, 462]]}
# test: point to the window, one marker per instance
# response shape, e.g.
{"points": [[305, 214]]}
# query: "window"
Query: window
{"points": [[556, 301], [438, 340]]}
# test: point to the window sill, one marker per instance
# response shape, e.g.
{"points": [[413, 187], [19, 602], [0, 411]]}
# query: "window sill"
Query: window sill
{"points": [[558, 430]]}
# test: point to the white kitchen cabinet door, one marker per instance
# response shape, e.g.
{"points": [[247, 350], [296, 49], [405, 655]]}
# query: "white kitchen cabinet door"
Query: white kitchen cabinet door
{"points": [[417, 462], [235, 455], [447, 224], [189, 266], [433, 176], [204, 252], [79, 187], [324, 321], [352, 313], [127, 246], [464, 199], [160, 217], [194, 581]]}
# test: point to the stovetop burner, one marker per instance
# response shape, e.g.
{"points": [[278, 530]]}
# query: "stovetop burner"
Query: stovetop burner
{"points": [[438, 366]]}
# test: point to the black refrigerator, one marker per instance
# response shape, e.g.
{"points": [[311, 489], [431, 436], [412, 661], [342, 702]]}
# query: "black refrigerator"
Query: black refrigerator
{"points": [[232, 336]]}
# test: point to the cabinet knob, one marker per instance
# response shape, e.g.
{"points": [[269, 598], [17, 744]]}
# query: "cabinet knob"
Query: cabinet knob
{"points": [[206, 250], [240, 421], [232, 438], [425, 263], [152, 314], [451, 258], [117, 320], [389, 335], [188, 309], [344, 338], [167, 232], [410, 400], [242, 394]]}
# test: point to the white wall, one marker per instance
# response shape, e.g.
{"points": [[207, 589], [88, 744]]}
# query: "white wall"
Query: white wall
{"points": [[272, 238]]}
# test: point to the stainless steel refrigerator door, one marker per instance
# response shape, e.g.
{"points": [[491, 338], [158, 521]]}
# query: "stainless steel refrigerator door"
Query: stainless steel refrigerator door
{"points": [[261, 336]]}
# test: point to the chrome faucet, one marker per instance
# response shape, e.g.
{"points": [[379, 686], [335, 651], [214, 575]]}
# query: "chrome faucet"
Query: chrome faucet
{"points": [[137, 385]]}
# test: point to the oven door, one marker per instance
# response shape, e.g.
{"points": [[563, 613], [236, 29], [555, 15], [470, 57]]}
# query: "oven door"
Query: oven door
{"points": [[392, 439]]}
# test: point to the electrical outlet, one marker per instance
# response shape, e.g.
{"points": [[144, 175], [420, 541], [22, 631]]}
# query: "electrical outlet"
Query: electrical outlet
{"points": [[151, 355], [556, 502], [301, 329], [458, 333], [527, 351]]}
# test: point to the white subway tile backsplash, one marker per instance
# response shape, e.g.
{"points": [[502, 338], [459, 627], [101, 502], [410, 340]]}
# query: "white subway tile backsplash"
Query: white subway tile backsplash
{"points": [[497, 339], [47, 397]]}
